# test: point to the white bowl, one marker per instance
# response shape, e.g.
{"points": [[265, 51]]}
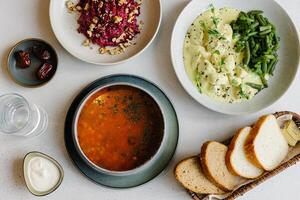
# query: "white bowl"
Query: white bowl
{"points": [[64, 25], [286, 68]]}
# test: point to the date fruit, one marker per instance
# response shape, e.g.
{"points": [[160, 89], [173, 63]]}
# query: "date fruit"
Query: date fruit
{"points": [[23, 59], [41, 53], [45, 71]]}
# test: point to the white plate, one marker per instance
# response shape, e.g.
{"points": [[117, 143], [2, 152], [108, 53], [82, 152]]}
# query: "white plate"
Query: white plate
{"points": [[286, 68], [64, 25]]}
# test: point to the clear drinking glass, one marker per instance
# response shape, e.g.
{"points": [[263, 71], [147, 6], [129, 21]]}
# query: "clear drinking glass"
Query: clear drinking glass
{"points": [[19, 117]]}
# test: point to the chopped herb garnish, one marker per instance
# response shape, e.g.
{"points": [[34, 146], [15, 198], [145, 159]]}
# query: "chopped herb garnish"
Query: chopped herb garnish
{"points": [[243, 95], [242, 92], [213, 32], [222, 61], [198, 81], [203, 24], [212, 8], [216, 52], [215, 21]]}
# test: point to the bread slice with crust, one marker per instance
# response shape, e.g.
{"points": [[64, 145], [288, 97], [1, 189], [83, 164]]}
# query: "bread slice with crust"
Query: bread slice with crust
{"points": [[212, 158], [236, 159], [266, 146], [189, 173]]}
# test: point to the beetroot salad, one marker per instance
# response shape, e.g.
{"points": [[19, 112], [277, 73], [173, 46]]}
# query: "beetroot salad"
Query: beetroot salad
{"points": [[108, 23]]}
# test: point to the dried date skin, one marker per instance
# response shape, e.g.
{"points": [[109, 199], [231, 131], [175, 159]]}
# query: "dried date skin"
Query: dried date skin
{"points": [[23, 59], [45, 71], [41, 53]]}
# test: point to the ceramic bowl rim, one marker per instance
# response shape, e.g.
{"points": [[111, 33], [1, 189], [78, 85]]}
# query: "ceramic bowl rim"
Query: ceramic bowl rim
{"points": [[137, 169]]}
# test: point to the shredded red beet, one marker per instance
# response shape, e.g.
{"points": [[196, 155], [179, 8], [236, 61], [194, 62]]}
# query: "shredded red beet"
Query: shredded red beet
{"points": [[108, 22]]}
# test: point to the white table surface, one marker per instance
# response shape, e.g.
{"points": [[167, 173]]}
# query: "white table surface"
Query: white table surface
{"points": [[21, 19]]}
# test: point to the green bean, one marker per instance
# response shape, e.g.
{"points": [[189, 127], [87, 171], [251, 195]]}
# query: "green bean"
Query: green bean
{"points": [[270, 65], [235, 35], [276, 47], [252, 34], [235, 27], [261, 20], [270, 57], [265, 32], [264, 67], [264, 81], [268, 42], [272, 68], [242, 14], [254, 25], [251, 42], [254, 51], [257, 65], [255, 12], [256, 36], [258, 70], [266, 20], [247, 19], [263, 28], [255, 86], [251, 16], [247, 54]]}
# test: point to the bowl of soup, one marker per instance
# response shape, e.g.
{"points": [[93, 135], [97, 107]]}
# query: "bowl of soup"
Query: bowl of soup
{"points": [[125, 128], [119, 128]]}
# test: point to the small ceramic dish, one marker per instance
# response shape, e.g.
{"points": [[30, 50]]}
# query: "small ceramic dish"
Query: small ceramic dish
{"points": [[146, 171], [64, 25], [288, 53], [31, 189], [27, 76]]}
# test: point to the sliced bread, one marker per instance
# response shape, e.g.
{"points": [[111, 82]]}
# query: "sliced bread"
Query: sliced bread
{"points": [[212, 158], [266, 146], [236, 160], [189, 173]]}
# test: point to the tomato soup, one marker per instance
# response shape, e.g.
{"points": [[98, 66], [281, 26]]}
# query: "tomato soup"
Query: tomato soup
{"points": [[120, 128]]}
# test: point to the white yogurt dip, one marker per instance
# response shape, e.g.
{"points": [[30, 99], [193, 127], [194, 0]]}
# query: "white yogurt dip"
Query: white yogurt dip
{"points": [[42, 174]]}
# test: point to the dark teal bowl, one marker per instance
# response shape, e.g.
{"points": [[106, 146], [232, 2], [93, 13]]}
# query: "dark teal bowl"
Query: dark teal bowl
{"points": [[27, 76], [141, 174]]}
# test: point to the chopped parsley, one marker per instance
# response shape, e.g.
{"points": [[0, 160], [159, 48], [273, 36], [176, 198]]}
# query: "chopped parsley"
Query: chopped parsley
{"points": [[211, 7], [216, 52], [203, 24], [222, 38], [243, 95], [213, 32], [222, 62], [215, 21], [198, 82]]}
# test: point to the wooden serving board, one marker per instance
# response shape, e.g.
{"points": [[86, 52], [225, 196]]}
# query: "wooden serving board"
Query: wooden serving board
{"points": [[292, 158]]}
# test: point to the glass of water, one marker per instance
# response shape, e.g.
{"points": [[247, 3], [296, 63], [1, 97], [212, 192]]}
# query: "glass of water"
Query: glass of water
{"points": [[20, 117]]}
